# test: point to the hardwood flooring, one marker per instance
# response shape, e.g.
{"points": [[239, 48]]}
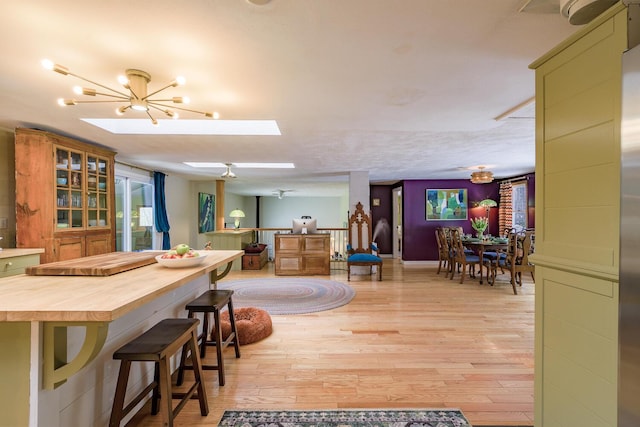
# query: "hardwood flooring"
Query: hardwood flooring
{"points": [[413, 340]]}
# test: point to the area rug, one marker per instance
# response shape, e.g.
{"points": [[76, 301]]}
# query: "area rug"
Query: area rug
{"points": [[289, 295], [346, 418]]}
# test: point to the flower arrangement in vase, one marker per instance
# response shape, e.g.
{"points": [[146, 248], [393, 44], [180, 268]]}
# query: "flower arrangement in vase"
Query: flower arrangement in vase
{"points": [[479, 224]]}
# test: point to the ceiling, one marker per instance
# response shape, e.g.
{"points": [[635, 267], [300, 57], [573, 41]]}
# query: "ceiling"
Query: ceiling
{"points": [[402, 89]]}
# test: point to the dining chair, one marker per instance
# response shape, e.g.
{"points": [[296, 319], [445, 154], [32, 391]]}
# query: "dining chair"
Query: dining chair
{"points": [[444, 252], [516, 258], [462, 260]]}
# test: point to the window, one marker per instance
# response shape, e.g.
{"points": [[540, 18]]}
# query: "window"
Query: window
{"points": [[134, 210], [519, 218]]}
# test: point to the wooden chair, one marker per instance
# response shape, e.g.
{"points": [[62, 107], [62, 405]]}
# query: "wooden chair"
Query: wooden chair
{"points": [[462, 259], [516, 258], [444, 252], [360, 246]]}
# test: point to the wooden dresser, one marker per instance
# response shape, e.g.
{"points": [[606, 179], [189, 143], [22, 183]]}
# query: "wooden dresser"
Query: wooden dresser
{"points": [[302, 254]]}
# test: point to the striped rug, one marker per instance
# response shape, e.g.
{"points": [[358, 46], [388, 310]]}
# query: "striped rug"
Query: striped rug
{"points": [[294, 295]]}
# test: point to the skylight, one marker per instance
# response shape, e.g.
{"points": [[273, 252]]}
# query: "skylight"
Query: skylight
{"points": [[241, 165], [187, 127]]}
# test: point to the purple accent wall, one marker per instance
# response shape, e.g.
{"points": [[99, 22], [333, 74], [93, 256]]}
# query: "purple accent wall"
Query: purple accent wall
{"points": [[419, 240], [419, 243]]}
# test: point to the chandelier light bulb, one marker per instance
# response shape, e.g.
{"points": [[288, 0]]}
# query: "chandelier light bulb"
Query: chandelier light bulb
{"points": [[47, 64], [180, 80], [139, 105], [64, 102], [79, 90], [123, 80]]}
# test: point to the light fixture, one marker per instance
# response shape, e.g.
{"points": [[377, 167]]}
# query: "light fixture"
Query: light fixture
{"points": [[280, 193], [237, 214], [136, 96], [228, 173], [487, 204], [482, 176]]}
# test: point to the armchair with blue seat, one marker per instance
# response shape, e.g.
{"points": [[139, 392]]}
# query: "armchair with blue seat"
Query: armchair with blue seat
{"points": [[360, 248]]}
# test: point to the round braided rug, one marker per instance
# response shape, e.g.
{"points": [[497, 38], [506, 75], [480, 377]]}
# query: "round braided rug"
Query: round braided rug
{"points": [[295, 295]]}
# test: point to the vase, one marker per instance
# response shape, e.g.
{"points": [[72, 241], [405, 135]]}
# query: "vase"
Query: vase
{"points": [[479, 234]]}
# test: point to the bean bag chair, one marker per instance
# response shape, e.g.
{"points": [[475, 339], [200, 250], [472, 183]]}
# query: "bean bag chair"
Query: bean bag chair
{"points": [[252, 324]]}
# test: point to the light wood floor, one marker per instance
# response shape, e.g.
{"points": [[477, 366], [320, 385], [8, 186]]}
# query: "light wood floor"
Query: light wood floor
{"points": [[414, 340]]}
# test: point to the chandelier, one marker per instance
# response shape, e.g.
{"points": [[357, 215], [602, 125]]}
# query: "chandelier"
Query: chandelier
{"points": [[136, 97], [482, 176]]}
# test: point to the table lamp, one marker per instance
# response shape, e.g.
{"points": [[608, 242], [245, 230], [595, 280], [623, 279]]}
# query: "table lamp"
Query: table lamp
{"points": [[237, 214]]}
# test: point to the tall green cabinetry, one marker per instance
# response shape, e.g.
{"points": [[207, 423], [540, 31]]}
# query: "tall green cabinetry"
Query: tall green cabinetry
{"points": [[578, 116]]}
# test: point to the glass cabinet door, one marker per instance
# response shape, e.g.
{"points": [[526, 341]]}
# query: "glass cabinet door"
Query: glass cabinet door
{"points": [[69, 200], [97, 191]]}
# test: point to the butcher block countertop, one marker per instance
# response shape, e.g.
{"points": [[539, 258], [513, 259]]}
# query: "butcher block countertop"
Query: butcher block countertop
{"points": [[97, 298], [97, 265], [13, 252]]}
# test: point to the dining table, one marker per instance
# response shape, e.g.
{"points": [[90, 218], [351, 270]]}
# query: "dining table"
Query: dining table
{"points": [[487, 244]]}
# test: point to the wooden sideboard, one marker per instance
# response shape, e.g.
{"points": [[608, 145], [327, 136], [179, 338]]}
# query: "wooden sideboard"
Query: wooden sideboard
{"points": [[302, 254]]}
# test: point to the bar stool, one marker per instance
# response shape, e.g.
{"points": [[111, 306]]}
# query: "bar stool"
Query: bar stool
{"points": [[212, 302], [157, 345]]}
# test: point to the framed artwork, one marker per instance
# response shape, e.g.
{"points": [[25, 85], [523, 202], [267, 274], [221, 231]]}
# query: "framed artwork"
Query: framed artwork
{"points": [[447, 204], [206, 208]]}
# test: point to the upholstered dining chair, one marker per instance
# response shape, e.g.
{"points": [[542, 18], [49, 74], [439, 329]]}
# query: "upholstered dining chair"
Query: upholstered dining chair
{"points": [[516, 259], [462, 259], [361, 247]]}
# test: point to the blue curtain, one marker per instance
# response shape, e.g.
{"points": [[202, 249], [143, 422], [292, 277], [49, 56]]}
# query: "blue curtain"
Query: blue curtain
{"points": [[160, 214]]}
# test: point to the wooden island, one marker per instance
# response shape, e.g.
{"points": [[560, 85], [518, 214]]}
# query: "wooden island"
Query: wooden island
{"points": [[52, 327]]}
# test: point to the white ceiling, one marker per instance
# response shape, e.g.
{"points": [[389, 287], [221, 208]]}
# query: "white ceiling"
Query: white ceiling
{"points": [[404, 89]]}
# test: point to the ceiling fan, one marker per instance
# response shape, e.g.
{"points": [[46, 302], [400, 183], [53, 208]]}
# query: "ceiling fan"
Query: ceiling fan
{"points": [[281, 193], [227, 173]]}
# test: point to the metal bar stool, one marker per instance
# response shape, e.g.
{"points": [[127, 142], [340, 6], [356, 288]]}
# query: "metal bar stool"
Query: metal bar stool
{"points": [[157, 345], [212, 302]]}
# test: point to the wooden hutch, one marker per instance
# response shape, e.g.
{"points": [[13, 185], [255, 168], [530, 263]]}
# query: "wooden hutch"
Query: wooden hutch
{"points": [[64, 196]]}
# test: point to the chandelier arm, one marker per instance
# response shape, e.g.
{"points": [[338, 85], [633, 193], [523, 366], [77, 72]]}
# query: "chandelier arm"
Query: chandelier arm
{"points": [[124, 98], [97, 84], [154, 121], [146, 98], [135, 95], [208, 114], [99, 101], [167, 112]]}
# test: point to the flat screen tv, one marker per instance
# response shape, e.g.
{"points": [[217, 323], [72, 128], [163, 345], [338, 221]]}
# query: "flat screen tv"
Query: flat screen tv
{"points": [[304, 226]]}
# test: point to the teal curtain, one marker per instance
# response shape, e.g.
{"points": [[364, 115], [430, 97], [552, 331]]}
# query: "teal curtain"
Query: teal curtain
{"points": [[160, 214]]}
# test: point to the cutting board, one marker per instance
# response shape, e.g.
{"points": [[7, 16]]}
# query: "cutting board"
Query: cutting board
{"points": [[96, 265]]}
